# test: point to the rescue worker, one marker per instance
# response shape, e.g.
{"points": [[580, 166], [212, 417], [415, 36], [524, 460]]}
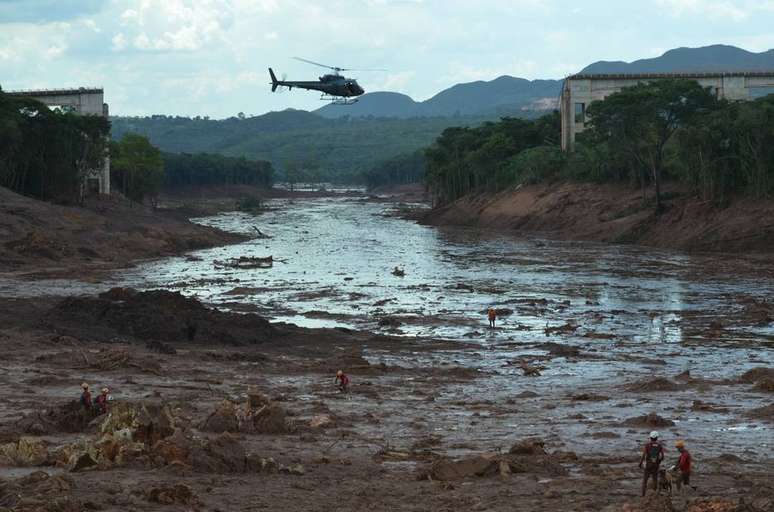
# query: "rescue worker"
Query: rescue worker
{"points": [[652, 455], [101, 402], [684, 464], [342, 380], [492, 314], [86, 397]]}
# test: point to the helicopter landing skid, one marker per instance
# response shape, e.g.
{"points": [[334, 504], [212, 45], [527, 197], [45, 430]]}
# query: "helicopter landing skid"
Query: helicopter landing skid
{"points": [[338, 100]]}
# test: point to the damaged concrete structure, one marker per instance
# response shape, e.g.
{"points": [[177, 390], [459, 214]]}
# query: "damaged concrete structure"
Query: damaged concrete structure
{"points": [[84, 101], [582, 89]]}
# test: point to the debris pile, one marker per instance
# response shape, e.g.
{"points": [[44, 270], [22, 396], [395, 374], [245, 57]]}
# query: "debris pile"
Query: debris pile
{"points": [[178, 494], [156, 315], [527, 456], [68, 417], [39, 492], [27, 451], [649, 420], [258, 416]]}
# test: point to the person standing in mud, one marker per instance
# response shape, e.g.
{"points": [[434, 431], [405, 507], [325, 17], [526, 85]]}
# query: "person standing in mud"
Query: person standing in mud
{"points": [[101, 403], [343, 381], [86, 397], [684, 464], [492, 315], [652, 455]]}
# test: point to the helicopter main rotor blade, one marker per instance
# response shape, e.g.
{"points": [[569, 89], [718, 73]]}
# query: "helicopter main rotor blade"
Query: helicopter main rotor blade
{"points": [[358, 69], [335, 68]]}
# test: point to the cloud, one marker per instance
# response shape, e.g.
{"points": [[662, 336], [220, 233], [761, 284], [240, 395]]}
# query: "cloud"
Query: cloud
{"points": [[43, 11], [723, 10]]}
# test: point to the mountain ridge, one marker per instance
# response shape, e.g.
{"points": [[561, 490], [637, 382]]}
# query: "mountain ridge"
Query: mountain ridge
{"points": [[508, 95]]}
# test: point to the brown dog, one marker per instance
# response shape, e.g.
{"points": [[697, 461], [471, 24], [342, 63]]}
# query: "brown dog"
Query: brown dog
{"points": [[669, 479]]}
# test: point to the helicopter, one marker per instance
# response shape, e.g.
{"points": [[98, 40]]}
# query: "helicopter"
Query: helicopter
{"points": [[337, 89]]}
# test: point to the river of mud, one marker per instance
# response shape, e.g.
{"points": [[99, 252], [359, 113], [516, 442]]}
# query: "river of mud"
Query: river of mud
{"points": [[597, 319]]}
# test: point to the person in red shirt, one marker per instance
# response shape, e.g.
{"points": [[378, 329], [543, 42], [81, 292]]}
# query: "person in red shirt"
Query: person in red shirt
{"points": [[101, 402], [684, 464], [86, 397], [491, 313], [652, 455], [342, 380]]}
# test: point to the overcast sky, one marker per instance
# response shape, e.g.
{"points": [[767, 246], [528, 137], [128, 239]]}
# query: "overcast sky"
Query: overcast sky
{"points": [[209, 57]]}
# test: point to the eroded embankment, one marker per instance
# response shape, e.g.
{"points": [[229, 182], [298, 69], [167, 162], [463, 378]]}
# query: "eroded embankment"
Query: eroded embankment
{"points": [[103, 234], [612, 213]]}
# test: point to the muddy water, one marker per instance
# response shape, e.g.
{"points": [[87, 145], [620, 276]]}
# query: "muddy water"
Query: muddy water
{"points": [[633, 313]]}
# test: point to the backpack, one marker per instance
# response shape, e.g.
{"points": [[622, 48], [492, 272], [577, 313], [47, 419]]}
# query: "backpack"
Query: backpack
{"points": [[652, 452]]}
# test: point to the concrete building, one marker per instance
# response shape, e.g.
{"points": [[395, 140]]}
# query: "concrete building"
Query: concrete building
{"points": [[580, 90], [84, 101]]}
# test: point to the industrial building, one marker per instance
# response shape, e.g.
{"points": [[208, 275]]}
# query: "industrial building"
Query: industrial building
{"points": [[581, 90], [83, 101]]}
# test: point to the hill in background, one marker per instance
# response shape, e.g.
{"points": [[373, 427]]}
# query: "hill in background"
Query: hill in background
{"points": [[345, 141]]}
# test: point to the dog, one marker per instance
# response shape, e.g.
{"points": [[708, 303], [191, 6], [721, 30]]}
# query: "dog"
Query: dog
{"points": [[670, 479]]}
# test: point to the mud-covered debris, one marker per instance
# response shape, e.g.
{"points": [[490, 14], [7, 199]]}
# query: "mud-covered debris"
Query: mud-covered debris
{"points": [[529, 446], [161, 347], [765, 413], [67, 417], [445, 469], [698, 405], [559, 349], [766, 385], [755, 375], [293, 469], [39, 492], [177, 494], [530, 370], [568, 328], [657, 384], [148, 422], [321, 421], [81, 462], [398, 272], [649, 420], [268, 418], [390, 322], [652, 502], [27, 451], [589, 397], [156, 315]]}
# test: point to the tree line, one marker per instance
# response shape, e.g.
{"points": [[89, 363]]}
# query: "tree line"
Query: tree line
{"points": [[186, 169], [400, 170], [648, 134], [47, 153]]}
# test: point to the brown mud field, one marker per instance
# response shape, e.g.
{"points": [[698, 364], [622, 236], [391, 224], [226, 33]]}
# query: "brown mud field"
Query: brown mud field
{"points": [[221, 409]]}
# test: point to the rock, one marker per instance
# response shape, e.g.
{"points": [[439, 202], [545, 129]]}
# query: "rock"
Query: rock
{"points": [[446, 469], [657, 384]]}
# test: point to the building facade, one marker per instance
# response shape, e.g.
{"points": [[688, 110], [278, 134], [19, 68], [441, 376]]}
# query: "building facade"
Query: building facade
{"points": [[581, 90], [83, 101]]}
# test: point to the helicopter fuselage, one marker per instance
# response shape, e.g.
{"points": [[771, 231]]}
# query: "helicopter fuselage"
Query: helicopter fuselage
{"points": [[332, 84]]}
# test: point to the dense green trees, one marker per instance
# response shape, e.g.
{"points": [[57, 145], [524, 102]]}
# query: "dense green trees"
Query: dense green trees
{"points": [[673, 130], [408, 168], [137, 168], [47, 153], [464, 160], [185, 169]]}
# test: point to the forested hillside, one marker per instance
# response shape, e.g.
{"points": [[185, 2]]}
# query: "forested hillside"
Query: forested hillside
{"points": [[341, 148]]}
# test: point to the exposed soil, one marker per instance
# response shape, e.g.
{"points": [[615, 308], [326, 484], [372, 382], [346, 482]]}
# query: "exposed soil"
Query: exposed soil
{"points": [[614, 213], [45, 240], [244, 415]]}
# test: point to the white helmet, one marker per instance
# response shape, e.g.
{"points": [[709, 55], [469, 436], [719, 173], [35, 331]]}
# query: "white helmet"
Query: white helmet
{"points": [[654, 435]]}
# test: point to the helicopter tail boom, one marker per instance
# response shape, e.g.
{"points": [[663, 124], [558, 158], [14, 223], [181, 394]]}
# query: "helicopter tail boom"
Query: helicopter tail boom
{"points": [[274, 81]]}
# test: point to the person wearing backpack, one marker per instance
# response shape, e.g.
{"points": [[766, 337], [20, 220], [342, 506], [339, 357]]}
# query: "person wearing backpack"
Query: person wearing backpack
{"points": [[652, 455]]}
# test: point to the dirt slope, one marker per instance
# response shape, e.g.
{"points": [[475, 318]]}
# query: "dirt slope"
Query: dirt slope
{"points": [[105, 233], [608, 213]]}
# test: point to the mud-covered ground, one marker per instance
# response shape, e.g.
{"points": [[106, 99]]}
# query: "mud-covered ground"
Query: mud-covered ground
{"points": [[417, 432]]}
